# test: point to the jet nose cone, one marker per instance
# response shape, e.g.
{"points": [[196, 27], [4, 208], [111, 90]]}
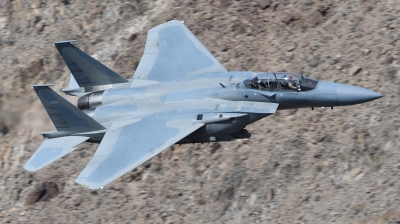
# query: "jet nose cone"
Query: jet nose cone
{"points": [[347, 94]]}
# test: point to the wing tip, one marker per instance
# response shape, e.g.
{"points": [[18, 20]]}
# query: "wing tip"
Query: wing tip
{"points": [[170, 22], [41, 86], [29, 168], [91, 188], [64, 42], [82, 181]]}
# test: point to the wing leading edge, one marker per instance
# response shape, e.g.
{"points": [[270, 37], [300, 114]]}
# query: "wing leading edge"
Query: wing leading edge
{"points": [[127, 147]]}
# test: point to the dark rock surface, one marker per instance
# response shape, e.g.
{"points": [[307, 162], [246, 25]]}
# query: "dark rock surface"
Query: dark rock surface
{"points": [[43, 192], [299, 166]]}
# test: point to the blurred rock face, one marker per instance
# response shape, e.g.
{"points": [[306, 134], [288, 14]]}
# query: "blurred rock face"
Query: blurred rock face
{"points": [[320, 166], [42, 192]]}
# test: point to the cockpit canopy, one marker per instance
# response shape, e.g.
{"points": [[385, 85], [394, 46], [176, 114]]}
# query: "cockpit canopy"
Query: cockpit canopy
{"points": [[280, 81]]}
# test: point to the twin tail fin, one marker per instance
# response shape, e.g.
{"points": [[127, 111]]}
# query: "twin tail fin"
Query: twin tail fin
{"points": [[65, 116]]}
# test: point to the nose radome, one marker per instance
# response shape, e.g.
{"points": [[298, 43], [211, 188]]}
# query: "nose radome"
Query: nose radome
{"points": [[348, 95]]}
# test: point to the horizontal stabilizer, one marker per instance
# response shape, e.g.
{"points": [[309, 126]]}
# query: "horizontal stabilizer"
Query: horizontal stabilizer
{"points": [[86, 70], [65, 116], [51, 150]]}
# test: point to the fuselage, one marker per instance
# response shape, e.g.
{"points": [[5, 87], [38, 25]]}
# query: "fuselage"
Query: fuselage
{"points": [[208, 91]]}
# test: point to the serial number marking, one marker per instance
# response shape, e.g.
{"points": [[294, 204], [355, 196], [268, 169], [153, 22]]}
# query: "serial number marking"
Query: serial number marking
{"points": [[54, 102]]}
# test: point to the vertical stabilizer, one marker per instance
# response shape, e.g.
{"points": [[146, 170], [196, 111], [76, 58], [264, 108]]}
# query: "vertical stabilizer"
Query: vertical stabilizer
{"points": [[65, 116], [86, 70]]}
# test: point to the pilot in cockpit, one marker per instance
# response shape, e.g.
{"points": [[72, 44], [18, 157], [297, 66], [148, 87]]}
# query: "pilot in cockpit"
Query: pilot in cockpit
{"points": [[254, 83], [291, 83], [261, 85], [257, 84], [284, 81], [288, 82]]}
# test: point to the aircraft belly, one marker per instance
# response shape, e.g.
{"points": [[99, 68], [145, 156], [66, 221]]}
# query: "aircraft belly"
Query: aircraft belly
{"points": [[255, 117], [218, 129]]}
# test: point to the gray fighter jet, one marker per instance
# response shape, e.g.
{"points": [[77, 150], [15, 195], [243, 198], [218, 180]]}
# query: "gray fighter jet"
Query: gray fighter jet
{"points": [[179, 94]]}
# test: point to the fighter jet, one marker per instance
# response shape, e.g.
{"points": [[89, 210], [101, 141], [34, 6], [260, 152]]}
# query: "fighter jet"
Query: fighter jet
{"points": [[179, 94]]}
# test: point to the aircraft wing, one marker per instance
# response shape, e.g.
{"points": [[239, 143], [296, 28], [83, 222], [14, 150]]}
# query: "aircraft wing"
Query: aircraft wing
{"points": [[172, 52], [123, 149]]}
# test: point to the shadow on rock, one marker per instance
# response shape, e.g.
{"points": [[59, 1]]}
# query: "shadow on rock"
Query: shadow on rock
{"points": [[42, 192]]}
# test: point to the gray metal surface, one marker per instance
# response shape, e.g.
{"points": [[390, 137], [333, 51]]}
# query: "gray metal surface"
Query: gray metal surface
{"points": [[86, 70], [127, 147], [172, 52], [51, 150], [180, 94], [64, 115], [73, 88]]}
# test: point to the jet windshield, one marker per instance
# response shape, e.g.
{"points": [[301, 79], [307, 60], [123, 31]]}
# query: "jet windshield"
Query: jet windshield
{"points": [[280, 81]]}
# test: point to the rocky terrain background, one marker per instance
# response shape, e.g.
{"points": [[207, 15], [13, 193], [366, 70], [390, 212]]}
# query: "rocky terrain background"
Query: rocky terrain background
{"points": [[299, 166]]}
